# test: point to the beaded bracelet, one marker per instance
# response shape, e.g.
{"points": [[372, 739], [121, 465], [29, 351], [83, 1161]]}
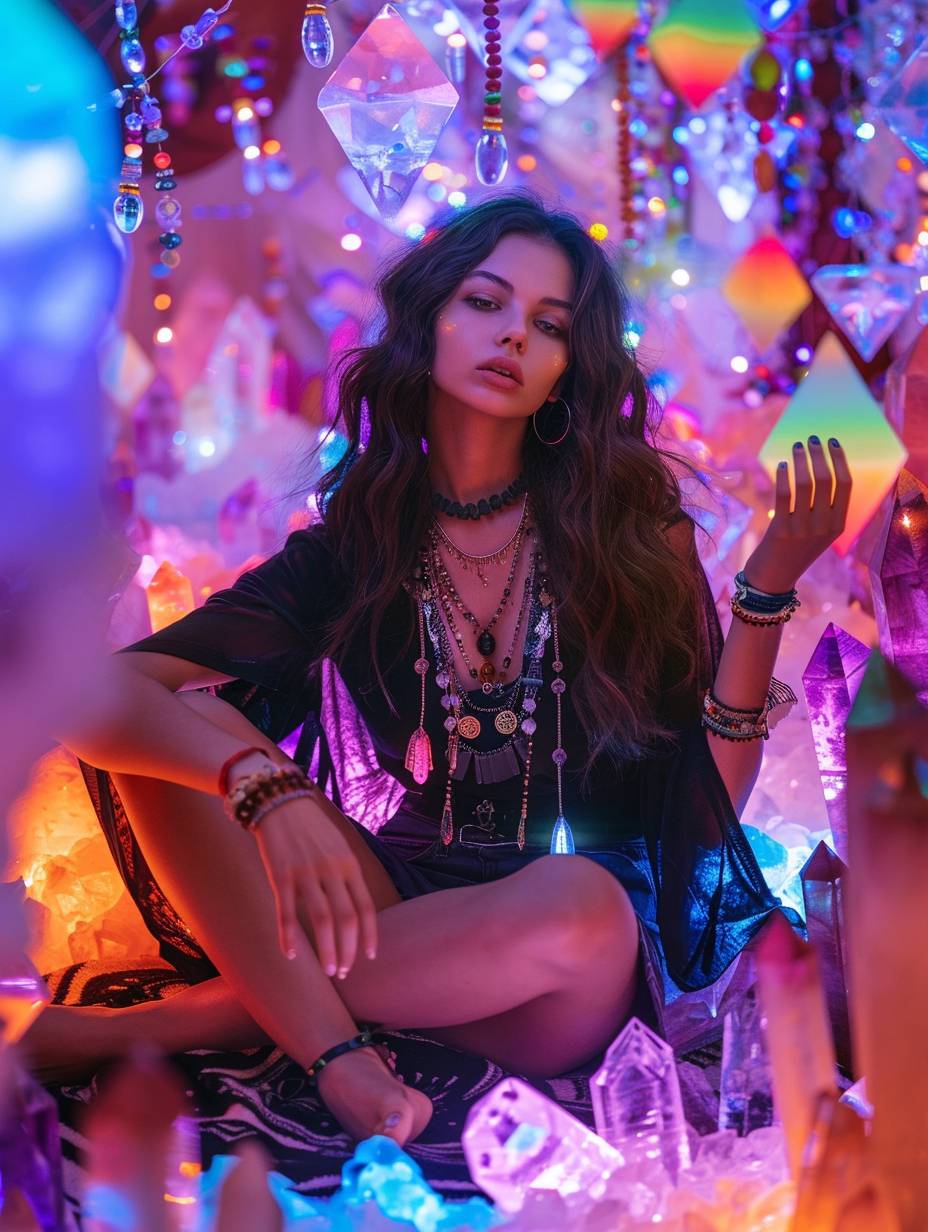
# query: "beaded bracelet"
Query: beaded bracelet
{"points": [[744, 724], [778, 616], [244, 801], [301, 793], [228, 764]]}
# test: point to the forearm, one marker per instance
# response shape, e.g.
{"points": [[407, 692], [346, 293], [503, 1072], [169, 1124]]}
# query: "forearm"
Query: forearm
{"points": [[742, 682], [141, 727]]}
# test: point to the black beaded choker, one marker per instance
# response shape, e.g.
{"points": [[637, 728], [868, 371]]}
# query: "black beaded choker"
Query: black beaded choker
{"points": [[454, 509]]}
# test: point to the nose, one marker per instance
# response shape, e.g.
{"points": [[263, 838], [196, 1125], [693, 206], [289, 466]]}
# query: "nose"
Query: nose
{"points": [[512, 337]]}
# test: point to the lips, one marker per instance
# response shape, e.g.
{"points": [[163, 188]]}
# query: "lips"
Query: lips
{"points": [[506, 367]]}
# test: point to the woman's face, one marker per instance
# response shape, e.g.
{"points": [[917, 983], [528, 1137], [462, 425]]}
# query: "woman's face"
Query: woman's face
{"points": [[512, 310]]}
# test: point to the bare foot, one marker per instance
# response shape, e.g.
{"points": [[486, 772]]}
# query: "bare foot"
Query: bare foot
{"points": [[366, 1097], [69, 1043]]}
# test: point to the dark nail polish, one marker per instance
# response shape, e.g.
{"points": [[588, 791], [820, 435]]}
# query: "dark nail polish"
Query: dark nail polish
{"points": [[813, 440], [833, 440], [782, 465], [798, 445]]}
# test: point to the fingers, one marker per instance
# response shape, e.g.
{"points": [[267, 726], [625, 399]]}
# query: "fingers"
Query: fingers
{"points": [[803, 479], [320, 914], [285, 895], [367, 912], [843, 484], [345, 925], [822, 499]]}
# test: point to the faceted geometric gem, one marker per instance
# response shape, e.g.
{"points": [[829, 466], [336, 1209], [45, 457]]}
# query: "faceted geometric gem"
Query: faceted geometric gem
{"points": [[516, 1139], [899, 579], [551, 50], [170, 596], [866, 302], [833, 401], [23, 995], [746, 1092], [608, 22], [636, 1100], [830, 682], [699, 44], [823, 897], [906, 403], [904, 106], [387, 103], [767, 290]]}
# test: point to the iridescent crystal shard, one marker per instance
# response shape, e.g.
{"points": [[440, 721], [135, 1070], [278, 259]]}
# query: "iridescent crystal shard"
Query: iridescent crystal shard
{"points": [[822, 878], [904, 106], [887, 748], [866, 302], [802, 1056], [899, 577], [551, 50], [30, 1152], [746, 1089], [636, 1100], [906, 402], [23, 995], [387, 103], [516, 1139], [830, 683]]}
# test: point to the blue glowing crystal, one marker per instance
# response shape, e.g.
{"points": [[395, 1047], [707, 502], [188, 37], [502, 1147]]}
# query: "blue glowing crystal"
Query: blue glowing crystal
{"points": [[491, 158], [904, 106], [562, 839], [387, 103], [126, 13], [866, 302], [316, 37], [132, 54], [550, 50]]}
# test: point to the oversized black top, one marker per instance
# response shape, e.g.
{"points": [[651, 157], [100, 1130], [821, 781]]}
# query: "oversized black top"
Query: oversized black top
{"points": [[265, 631]]}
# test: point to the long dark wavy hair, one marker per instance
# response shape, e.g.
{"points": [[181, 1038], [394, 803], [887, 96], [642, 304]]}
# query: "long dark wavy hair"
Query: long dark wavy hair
{"points": [[601, 500]]}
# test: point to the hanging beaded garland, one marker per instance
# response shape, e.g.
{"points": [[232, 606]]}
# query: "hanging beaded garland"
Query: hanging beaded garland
{"points": [[492, 155], [316, 36]]}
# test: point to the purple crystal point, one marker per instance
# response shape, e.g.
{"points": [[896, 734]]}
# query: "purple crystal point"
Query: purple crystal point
{"points": [[746, 1095], [516, 1139], [823, 895], [491, 159], [830, 682], [636, 1100], [906, 403], [899, 576], [30, 1150]]}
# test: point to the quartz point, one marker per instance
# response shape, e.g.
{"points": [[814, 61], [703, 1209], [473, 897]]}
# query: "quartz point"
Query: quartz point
{"points": [[316, 39], [822, 878], [866, 302], [30, 1148], [516, 1139], [551, 51], [802, 1056], [170, 596], [636, 1099], [387, 103], [23, 996], [830, 683], [904, 106], [899, 580], [746, 1088], [906, 403]]}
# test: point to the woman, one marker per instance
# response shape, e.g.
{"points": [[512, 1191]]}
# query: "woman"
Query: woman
{"points": [[510, 590]]}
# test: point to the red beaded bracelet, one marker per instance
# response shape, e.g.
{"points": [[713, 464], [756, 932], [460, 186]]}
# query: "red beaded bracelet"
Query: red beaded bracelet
{"points": [[232, 761]]}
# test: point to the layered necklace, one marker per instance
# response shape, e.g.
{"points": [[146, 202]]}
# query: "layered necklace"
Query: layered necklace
{"points": [[512, 704]]}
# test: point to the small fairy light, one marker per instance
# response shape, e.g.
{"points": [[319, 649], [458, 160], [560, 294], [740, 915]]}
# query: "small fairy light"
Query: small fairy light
{"points": [[739, 363], [271, 146], [251, 151], [457, 198], [599, 231], [351, 242], [680, 277], [432, 172], [657, 206], [164, 335], [865, 131], [526, 162], [906, 520], [162, 301]]}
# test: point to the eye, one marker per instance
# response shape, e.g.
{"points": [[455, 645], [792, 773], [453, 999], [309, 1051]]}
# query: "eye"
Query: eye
{"points": [[480, 300], [552, 329]]}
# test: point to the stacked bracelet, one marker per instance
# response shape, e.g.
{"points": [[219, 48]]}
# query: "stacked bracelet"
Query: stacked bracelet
{"points": [[256, 795], [758, 607], [746, 724]]}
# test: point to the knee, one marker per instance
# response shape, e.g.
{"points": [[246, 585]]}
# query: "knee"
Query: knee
{"points": [[590, 907]]}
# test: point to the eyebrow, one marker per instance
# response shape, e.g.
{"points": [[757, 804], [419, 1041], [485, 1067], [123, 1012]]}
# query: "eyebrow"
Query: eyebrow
{"points": [[507, 286]]}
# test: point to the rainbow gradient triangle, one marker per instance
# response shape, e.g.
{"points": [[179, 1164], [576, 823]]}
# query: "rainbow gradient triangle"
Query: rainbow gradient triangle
{"points": [[767, 290], [699, 44], [833, 401], [609, 22]]}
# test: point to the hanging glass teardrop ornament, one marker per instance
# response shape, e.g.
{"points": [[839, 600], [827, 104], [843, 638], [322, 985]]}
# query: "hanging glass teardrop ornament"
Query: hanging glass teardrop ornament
{"points": [[132, 54], [492, 158], [128, 209], [562, 840], [318, 44]]}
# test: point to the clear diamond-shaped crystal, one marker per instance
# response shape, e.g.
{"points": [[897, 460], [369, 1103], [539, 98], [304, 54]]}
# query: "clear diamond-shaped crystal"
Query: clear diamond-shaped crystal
{"points": [[387, 103], [904, 106], [866, 302], [551, 50], [636, 1100], [517, 1139]]}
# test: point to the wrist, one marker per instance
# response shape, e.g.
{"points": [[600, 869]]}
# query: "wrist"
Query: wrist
{"points": [[766, 580], [252, 761]]}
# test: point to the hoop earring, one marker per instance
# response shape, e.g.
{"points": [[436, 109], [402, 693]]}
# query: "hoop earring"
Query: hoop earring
{"points": [[566, 426]]}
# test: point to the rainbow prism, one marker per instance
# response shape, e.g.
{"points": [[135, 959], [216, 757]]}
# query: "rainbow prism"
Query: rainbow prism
{"points": [[608, 22], [767, 290], [833, 401], [699, 44]]}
